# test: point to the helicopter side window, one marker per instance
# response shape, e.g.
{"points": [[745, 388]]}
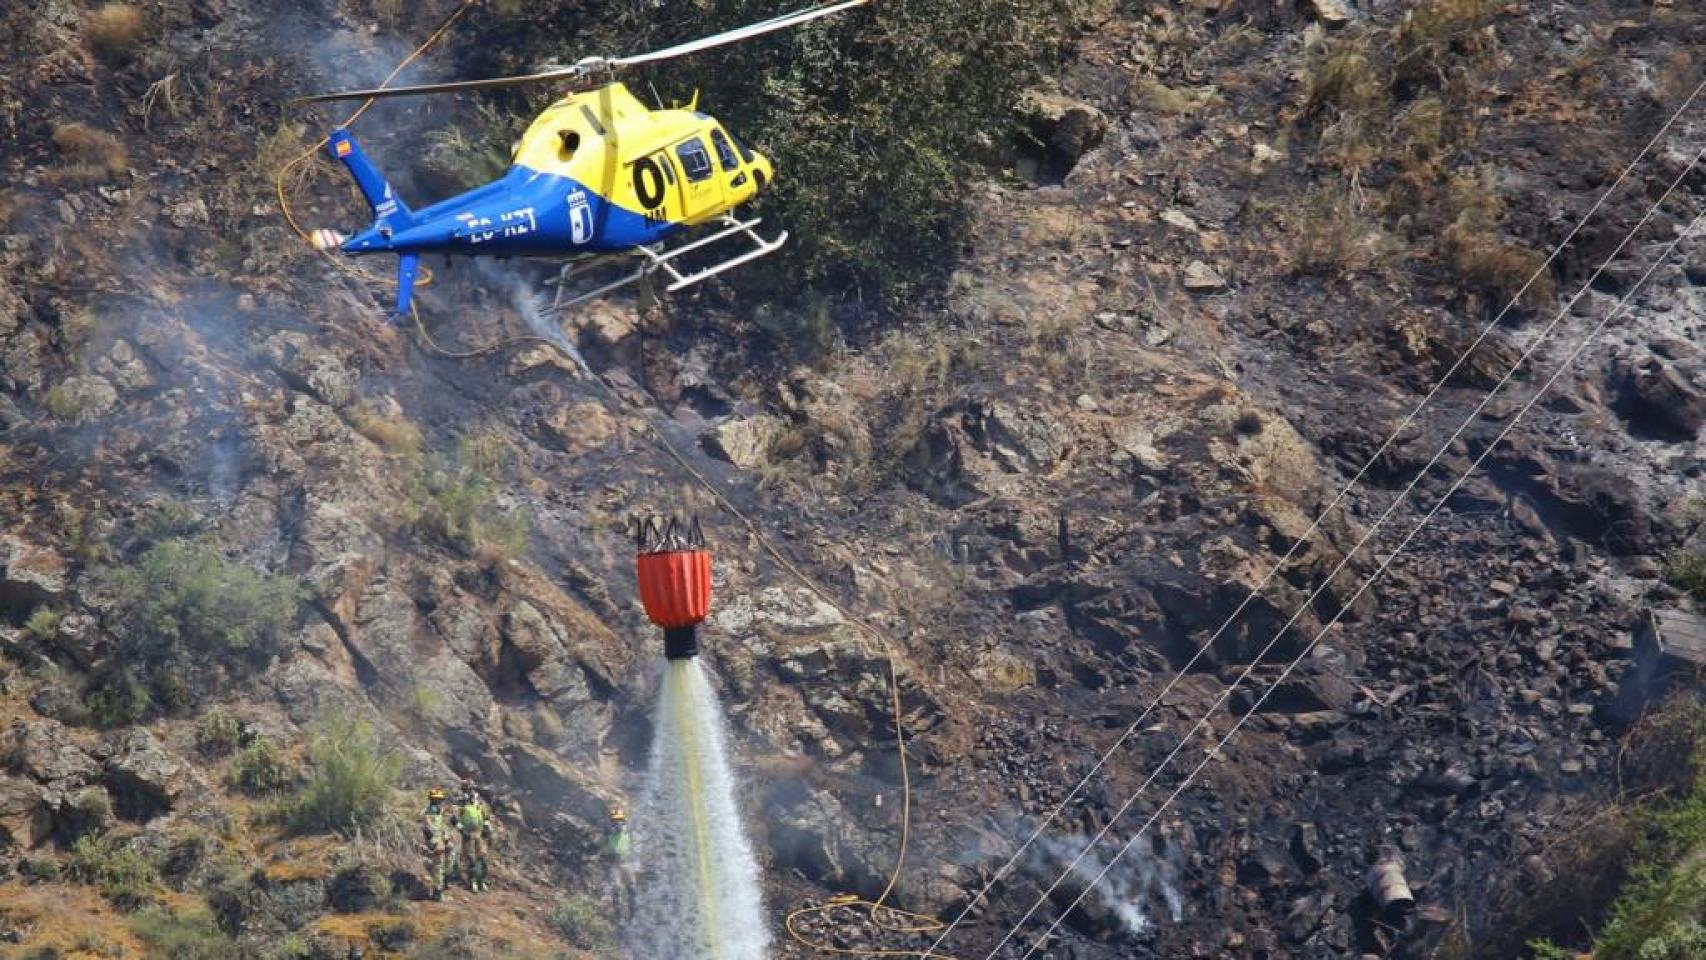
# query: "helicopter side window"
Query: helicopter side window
{"points": [[694, 160], [725, 153]]}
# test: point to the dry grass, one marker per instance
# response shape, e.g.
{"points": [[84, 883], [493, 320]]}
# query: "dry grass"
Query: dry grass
{"points": [[1488, 264], [1332, 238], [394, 433], [1343, 82], [94, 156], [1430, 34], [115, 31], [8, 208]]}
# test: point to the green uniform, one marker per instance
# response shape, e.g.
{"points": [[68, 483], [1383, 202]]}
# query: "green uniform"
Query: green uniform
{"points": [[474, 822], [618, 848], [440, 847]]}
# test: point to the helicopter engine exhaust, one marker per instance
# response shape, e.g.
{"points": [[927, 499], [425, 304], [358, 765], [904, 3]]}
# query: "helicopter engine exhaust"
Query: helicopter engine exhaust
{"points": [[674, 570]]}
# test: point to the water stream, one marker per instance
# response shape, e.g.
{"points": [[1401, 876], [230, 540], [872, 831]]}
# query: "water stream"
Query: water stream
{"points": [[699, 896]]}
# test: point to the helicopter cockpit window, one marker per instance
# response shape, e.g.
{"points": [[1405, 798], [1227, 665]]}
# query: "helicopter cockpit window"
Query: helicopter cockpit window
{"points": [[725, 153], [745, 154], [694, 160]]}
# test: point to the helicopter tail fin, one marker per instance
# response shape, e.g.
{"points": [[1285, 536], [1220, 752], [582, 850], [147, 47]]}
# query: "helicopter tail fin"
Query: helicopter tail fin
{"points": [[388, 209]]}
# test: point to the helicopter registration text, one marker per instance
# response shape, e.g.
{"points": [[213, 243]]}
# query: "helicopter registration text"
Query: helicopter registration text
{"points": [[512, 223]]}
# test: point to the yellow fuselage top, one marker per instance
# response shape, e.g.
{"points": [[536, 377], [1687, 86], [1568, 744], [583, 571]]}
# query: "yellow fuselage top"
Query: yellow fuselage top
{"points": [[669, 165]]}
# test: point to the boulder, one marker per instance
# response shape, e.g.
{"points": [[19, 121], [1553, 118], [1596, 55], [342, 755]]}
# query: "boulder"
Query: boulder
{"points": [[742, 441], [577, 428], [1019, 441], [1654, 390], [145, 781], [1069, 128], [310, 368], [1202, 278], [1333, 13], [43, 751], [29, 575], [82, 399], [23, 815]]}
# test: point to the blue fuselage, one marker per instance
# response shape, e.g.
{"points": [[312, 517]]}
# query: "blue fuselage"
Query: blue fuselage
{"points": [[524, 213]]}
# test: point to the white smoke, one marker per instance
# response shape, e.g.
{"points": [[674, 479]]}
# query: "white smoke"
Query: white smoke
{"points": [[1143, 885], [699, 895], [533, 307]]}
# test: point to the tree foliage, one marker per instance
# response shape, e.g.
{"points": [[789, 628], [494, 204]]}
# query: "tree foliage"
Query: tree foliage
{"points": [[877, 120]]}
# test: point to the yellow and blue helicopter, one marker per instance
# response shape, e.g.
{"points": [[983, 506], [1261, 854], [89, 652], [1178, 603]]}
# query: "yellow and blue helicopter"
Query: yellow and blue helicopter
{"points": [[598, 174]]}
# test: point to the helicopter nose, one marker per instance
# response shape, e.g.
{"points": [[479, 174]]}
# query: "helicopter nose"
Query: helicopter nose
{"points": [[763, 173]]}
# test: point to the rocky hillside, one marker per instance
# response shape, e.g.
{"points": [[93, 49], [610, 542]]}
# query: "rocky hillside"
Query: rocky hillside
{"points": [[265, 549]]}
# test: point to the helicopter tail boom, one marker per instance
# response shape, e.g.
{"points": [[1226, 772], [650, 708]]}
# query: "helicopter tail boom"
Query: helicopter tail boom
{"points": [[389, 212]]}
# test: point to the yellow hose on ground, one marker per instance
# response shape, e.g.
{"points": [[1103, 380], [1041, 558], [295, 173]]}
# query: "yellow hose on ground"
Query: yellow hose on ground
{"points": [[878, 912]]}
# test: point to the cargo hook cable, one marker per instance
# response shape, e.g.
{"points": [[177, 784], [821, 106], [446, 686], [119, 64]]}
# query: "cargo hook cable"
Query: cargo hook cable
{"points": [[1568, 364], [1298, 542]]}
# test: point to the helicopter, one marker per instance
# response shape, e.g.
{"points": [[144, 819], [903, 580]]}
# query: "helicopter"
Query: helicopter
{"points": [[598, 176]]}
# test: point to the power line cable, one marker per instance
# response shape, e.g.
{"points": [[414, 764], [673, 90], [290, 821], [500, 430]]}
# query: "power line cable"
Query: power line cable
{"points": [[1366, 583], [1297, 543]]}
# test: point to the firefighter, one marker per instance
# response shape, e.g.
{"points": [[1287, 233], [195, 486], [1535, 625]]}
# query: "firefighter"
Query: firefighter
{"points": [[440, 850], [474, 822], [619, 848]]}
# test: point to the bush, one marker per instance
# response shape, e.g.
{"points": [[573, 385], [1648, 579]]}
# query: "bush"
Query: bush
{"points": [[259, 770], [218, 734], [43, 625], [114, 31], [95, 155], [1687, 571], [455, 501], [392, 432], [169, 935], [353, 775], [358, 887], [583, 923], [124, 876], [183, 600], [1665, 895]]}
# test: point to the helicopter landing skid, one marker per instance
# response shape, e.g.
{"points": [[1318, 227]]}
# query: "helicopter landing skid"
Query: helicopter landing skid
{"points": [[660, 260]]}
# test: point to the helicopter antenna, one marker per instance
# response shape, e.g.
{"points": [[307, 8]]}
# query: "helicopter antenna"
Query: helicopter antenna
{"points": [[656, 98]]}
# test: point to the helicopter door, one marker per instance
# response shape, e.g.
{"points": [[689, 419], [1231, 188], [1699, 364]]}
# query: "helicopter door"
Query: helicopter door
{"points": [[734, 176], [701, 192]]}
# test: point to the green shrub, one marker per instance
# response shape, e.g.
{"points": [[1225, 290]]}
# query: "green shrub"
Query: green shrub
{"points": [[218, 734], [124, 876], [352, 778], [455, 500], [119, 698], [183, 594], [259, 770], [583, 923], [169, 936], [1665, 895], [1687, 571], [43, 625]]}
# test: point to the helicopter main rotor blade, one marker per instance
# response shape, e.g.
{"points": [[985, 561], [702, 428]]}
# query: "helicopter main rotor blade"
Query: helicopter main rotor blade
{"points": [[735, 36], [382, 93]]}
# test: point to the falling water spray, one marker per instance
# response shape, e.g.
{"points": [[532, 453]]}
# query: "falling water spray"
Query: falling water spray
{"points": [[699, 892]]}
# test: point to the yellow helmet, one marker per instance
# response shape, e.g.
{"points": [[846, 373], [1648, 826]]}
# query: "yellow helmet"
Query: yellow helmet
{"points": [[436, 794], [617, 816]]}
